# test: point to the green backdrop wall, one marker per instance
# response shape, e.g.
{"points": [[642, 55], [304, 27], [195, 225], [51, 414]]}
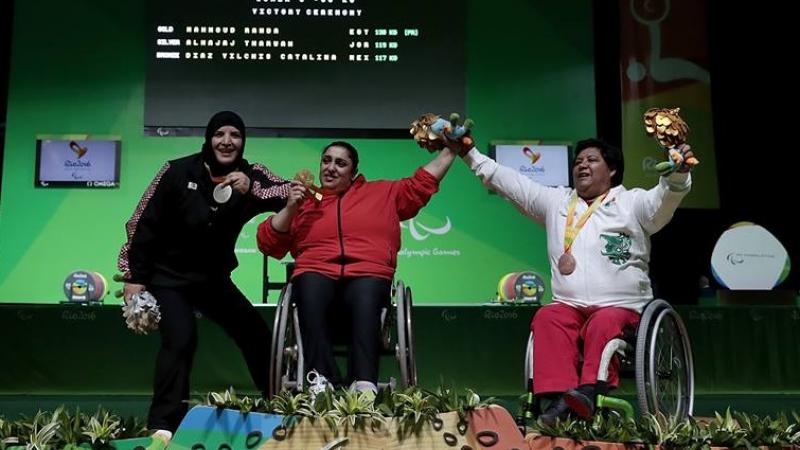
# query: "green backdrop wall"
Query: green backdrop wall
{"points": [[79, 67]]}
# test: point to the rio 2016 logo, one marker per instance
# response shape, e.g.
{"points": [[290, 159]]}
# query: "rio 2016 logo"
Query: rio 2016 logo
{"points": [[534, 156]]}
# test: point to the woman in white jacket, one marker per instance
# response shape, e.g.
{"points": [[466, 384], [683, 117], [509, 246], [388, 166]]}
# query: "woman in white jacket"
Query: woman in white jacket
{"points": [[598, 242]]}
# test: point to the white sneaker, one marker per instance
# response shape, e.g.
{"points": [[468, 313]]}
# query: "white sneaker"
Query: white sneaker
{"points": [[162, 435], [316, 384], [364, 386]]}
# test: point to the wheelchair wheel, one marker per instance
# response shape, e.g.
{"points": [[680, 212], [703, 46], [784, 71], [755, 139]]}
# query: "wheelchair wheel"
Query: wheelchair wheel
{"points": [[664, 365], [295, 378], [528, 370], [412, 358], [278, 338], [404, 349], [284, 350]]}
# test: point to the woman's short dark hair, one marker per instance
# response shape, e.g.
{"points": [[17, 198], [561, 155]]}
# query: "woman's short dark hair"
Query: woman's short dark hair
{"points": [[351, 152], [611, 155]]}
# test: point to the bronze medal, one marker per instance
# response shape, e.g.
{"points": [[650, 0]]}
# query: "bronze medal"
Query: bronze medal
{"points": [[566, 264]]}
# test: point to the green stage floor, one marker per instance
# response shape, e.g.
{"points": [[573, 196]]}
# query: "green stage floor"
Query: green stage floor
{"points": [[744, 357]]}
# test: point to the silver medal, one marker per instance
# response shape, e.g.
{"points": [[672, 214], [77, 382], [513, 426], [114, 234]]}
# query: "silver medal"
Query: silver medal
{"points": [[222, 193]]}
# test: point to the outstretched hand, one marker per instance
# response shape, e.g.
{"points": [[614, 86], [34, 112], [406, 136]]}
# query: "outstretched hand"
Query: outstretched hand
{"points": [[687, 156], [680, 159]]}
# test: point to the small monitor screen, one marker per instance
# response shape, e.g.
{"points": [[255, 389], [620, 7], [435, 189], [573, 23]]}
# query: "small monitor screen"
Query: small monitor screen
{"points": [[64, 162], [547, 164]]}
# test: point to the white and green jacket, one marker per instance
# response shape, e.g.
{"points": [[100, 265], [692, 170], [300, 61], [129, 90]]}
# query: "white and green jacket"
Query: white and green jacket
{"points": [[612, 250]]}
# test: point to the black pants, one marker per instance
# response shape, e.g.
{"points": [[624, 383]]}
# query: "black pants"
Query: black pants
{"points": [[223, 303], [350, 308]]}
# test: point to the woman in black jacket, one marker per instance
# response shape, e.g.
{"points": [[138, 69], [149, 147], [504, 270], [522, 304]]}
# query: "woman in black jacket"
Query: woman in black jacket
{"points": [[180, 248]]}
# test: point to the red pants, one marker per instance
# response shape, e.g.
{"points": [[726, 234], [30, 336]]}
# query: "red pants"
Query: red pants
{"points": [[561, 332]]}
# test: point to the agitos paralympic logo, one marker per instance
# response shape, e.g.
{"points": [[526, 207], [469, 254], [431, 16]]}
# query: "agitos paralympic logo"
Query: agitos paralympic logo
{"points": [[421, 232]]}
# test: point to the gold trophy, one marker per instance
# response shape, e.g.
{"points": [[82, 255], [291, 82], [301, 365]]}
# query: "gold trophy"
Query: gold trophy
{"points": [[430, 131], [670, 130]]}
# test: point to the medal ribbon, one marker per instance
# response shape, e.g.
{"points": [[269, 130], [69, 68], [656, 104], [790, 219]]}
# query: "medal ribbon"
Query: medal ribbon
{"points": [[571, 232]]}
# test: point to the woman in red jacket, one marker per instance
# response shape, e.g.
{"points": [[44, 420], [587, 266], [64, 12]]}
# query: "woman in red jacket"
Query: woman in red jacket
{"points": [[345, 250]]}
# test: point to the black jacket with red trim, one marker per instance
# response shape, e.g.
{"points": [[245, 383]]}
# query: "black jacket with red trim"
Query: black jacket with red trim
{"points": [[180, 235]]}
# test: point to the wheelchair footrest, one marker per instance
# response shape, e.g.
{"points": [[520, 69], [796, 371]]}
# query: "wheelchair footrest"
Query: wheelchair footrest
{"points": [[617, 404]]}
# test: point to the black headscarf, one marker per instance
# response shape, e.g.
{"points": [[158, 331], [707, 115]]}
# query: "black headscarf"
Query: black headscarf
{"points": [[218, 121]]}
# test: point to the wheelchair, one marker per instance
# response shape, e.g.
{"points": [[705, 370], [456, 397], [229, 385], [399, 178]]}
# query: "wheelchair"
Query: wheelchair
{"points": [[288, 369], [658, 356]]}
